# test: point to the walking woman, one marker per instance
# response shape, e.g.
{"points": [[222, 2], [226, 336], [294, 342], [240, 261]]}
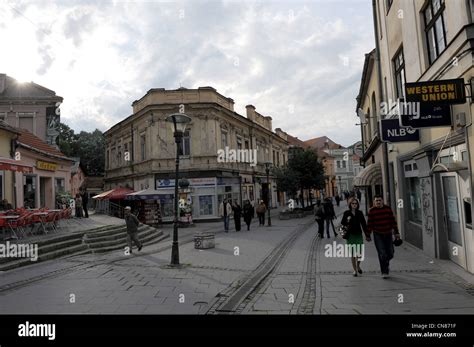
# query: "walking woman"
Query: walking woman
{"points": [[237, 215], [319, 216], [249, 212], [78, 202], [354, 222]]}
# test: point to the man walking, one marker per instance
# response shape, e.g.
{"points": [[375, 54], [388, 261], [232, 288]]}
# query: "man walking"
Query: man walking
{"points": [[225, 210], [329, 215], [132, 229], [381, 222]]}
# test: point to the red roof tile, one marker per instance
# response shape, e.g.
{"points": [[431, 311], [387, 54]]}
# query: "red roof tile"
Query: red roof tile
{"points": [[35, 142]]}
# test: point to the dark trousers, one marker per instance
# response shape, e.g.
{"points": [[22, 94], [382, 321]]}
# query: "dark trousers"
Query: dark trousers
{"points": [[86, 213], [320, 227], [237, 223], [384, 245], [248, 221], [133, 237], [78, 212], [261, 218]]}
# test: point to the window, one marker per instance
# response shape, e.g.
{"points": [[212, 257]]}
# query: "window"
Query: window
{"points": [[399, 74], [107, 164], [186, 144], [126, 155], [239, 143], [247, 146], [25, 121], [413, 190], [224, 139], [119, 155], [3, 116], [343, 164], [113, 157], [142, 147], [284, 159], [59, 185], [29, 191], [435, 29]]}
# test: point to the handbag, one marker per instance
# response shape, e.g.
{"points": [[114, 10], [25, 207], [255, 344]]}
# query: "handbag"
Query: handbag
{"points": [[344, 232]]}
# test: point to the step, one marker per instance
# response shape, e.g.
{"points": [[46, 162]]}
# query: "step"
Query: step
{"points": [[47, 256], [94, 234], [46, 248], [151, 239], [119, 240], [112, 236]]}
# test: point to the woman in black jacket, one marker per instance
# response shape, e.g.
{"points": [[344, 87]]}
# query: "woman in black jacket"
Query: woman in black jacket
{"points": [[249, 212], [354, 222]]}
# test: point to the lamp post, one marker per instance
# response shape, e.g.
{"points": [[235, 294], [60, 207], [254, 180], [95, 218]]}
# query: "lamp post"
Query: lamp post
{"points": [[179, 121], [268, 165]]}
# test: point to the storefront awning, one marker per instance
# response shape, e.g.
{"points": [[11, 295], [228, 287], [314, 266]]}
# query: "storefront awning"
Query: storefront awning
{"points": [[147, 194], [14, 165], [114, 194], [371, 175]]}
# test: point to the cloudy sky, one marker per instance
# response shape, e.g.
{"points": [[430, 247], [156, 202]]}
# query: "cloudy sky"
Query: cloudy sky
{"points": [[299, 62]]}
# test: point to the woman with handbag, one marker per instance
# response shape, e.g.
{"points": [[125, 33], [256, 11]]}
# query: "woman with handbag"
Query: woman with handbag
{"points": [[354, 225]]}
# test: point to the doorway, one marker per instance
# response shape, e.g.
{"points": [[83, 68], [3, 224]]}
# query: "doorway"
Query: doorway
{"points": [[454, 220]]}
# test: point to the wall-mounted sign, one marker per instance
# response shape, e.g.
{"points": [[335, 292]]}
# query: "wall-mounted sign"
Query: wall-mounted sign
{"points": [[436, 92], [429, 116], [393, 132], [43, 165]]}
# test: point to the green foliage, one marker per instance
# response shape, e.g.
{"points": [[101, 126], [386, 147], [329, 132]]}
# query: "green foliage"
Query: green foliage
{"points": [[90, 147]]}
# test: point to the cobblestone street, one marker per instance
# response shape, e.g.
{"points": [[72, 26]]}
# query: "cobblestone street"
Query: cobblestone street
{"points": [[281, 269]]}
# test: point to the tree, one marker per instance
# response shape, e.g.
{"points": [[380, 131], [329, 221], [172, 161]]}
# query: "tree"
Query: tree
{"points": [[89, 147], [287, 180], [304, 171]]}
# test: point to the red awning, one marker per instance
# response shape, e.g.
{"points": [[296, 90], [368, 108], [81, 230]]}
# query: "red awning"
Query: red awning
{"points": [[114, 194], [14, 165]]}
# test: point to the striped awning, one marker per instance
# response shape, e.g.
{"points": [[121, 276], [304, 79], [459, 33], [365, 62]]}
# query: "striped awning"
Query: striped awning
{"points": [[371, 175]]}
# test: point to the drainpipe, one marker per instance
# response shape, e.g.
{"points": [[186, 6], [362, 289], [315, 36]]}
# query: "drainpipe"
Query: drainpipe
{"points": [[387, 187]]}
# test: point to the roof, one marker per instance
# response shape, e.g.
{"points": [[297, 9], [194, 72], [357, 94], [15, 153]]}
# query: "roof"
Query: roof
{"points": [[7, 127], [29, 90], [319, 142], [30, 141], [294, 141], [366, 73]]}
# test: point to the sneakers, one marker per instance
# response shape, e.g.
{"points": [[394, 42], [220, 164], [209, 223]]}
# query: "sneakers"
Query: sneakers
{"points": [[354, 274]]}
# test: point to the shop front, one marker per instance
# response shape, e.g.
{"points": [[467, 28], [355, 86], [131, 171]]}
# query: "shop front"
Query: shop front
{"points": [[49, 178], [203, 195]]}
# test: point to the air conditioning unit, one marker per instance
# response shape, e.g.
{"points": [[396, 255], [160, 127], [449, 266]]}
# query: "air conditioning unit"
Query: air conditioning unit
{"points": [[460, 119]]}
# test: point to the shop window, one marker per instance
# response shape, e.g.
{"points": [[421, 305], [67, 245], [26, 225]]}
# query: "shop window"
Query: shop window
{"points": [[59, 185], [413, 190], [206, 207]]}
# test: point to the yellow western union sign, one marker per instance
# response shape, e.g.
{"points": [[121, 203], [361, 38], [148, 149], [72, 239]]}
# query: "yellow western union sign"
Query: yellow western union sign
{"points": [[43, 165], [436, 92]]}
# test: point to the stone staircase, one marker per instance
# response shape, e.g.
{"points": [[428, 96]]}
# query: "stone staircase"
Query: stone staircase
{"points": [[97, 240]]}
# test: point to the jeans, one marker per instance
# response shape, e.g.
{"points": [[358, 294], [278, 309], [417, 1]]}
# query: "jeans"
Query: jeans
{"points": [[226, 223], [320, 227], [384, 245], [329, 225]]}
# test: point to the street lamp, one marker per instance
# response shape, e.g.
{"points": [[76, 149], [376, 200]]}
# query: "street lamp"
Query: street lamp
{"points": [[179, 121], [268, 166]]}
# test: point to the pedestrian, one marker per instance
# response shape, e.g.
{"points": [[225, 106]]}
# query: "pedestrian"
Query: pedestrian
{"points": [[85, 200], [338, 200], [329, 215], [237, 215], [78, 203], [249, 213], [319, 216], [225, 210], [261, 208], [382, 224], [132, 223], [354, 222], [359, 194]]}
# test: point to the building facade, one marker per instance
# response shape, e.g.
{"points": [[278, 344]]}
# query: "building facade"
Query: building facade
{"points": [[140, 151], [31, 107], [428, 183]]}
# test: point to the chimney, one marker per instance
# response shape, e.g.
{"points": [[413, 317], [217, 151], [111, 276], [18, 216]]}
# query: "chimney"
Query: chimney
{"points": [[3, 82], [250, 112]]}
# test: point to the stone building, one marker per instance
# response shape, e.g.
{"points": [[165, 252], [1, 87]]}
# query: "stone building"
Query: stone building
{"points": [[140, 150]]}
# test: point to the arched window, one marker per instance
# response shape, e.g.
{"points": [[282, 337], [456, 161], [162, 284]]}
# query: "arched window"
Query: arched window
{"points": [[373, 116]]}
